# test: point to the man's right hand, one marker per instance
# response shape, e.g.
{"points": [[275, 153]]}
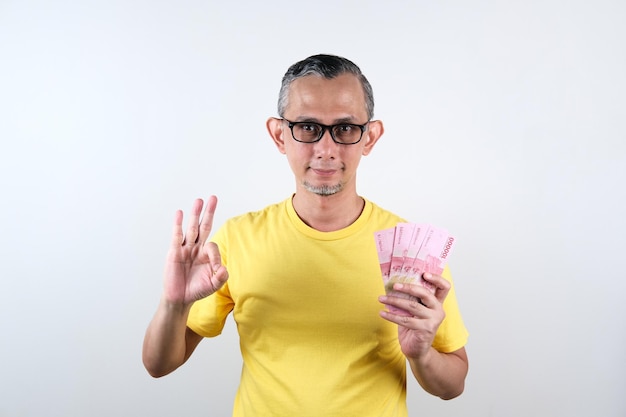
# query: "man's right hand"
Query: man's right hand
{"points": [[193, 268], [193, 271]]}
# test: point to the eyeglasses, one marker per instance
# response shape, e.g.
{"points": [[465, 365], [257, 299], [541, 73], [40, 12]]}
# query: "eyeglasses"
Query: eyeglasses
{"points": [[341, 133]]}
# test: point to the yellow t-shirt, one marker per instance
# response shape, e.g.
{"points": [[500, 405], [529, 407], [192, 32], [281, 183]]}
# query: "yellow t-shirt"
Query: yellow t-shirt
{"points": [[306, 307]]}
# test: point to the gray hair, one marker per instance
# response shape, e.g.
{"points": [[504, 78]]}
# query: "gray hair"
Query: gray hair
{"points": [[327, 66]]}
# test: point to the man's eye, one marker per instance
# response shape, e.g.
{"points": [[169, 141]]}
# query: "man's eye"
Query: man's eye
{"points": [[308, 127], [345, 128]]}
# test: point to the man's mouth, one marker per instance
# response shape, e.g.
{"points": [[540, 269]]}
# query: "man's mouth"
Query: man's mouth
{"points": [[324, 172]]}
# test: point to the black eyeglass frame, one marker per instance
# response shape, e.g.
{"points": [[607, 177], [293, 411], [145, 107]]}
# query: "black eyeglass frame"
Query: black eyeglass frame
{"points": [[324, 129]]}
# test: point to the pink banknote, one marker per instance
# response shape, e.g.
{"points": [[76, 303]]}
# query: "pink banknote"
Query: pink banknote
{"points": [[409, 250], [417, 239], [384, 247], [401, 242]]}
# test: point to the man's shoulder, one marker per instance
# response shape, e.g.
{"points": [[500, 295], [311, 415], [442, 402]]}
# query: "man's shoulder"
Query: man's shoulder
{"points": [[269, 212], [384, 214]]}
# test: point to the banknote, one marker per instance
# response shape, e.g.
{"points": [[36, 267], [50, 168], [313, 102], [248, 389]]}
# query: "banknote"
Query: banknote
{"points": [[384, 246], [417, 239], [402, 239], [407, 251]]}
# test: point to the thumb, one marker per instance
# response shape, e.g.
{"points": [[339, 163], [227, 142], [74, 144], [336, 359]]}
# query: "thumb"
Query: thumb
{"points": [[212, 252], [219, 273]]}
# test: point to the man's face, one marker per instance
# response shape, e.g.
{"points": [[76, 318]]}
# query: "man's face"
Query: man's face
{"points": [[325, 167]]}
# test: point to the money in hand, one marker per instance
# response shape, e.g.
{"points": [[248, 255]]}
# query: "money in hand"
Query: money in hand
{"points": [[409, 250]]}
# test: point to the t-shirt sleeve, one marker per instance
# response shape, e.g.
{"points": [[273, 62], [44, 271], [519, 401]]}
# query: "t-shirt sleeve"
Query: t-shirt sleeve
{"points": [[208, 315], [452, 334]]}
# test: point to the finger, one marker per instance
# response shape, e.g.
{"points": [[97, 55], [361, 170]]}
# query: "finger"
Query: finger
{"points": [[207, 219], [418, 320], [403, 303], [192, 228], [220, 274], [399, 319], [440, 284], [408, 291], [213, 253], [177, 229]]}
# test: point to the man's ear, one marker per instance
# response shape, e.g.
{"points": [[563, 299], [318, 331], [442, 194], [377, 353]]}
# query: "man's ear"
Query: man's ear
{"points": [[275, 127], [375, 130]]}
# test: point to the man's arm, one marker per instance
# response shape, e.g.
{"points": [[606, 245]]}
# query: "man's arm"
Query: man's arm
{"points": [[168, 342], [193, 270], [441, 374]]}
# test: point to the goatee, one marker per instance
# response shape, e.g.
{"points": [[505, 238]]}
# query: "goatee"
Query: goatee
{"points": [[323, 190]]}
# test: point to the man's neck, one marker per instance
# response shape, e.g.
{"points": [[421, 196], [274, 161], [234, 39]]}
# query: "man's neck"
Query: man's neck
{"points": [[328, 213]]}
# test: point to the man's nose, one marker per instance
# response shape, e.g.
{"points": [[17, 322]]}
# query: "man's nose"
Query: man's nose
{"points": [[326, 146]]}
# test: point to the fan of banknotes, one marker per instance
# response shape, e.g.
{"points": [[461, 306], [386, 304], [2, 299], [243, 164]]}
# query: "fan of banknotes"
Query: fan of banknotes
{"points": [[407, 251]]}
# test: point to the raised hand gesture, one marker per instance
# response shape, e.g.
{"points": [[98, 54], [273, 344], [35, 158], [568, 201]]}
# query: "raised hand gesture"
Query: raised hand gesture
{"points": [[193, 269]]}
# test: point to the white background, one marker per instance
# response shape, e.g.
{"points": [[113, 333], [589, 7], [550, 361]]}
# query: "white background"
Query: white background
{"points": [[505, 123]]}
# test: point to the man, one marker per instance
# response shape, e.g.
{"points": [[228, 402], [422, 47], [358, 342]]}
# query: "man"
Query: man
{"points": [[302, 276]]}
